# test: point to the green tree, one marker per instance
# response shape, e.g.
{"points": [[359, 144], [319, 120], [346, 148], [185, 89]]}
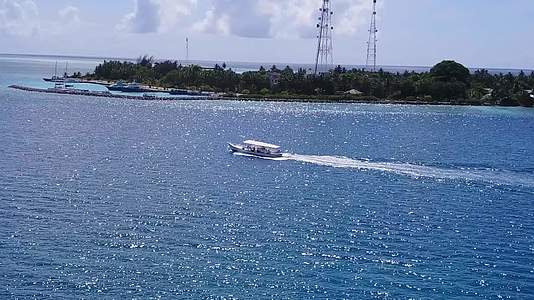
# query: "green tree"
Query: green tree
{"points": [[163, 68], [449, 70], [145, 61]]}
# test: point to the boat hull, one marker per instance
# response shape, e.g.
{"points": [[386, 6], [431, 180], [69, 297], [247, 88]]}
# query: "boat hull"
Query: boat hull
{"points": [[54, 80], [128, 90], [241, 149]]}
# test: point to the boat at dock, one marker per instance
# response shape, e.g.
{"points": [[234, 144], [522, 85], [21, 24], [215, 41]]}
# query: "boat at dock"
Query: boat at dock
{"points": [[132, 87], [117, 86], [256, 148], [55, 77], [62, 79]]}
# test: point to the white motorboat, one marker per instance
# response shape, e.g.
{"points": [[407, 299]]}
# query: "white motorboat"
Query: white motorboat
{"points": [[256, 148]]}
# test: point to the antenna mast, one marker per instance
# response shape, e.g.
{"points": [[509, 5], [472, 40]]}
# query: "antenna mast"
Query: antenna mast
{"points": [[187, 50], [371, 44], [324, 60]]}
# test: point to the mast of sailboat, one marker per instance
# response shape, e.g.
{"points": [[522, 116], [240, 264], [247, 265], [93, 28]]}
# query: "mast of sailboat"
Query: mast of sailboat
{"points": [[66, 69], [55, 70]]}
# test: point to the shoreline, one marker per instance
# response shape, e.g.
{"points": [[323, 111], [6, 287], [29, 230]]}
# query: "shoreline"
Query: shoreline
{"points": [[362, 100], [251, 99], [446, 83]]}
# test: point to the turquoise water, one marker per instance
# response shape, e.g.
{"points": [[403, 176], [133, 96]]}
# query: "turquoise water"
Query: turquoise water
{"points": [[30, 71], [107, 198]]}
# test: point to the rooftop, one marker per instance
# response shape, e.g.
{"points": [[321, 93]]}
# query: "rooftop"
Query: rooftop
{"points": [[261, 144]]}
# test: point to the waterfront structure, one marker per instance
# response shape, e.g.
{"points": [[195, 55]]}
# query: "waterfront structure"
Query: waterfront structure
{"points": [[274, 78], [370, 64], [324, 59]]}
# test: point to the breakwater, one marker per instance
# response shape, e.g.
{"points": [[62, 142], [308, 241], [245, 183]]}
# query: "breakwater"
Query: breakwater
{"points": [[107, 94]]}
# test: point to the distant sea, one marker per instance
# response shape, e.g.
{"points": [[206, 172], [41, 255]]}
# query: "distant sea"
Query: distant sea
{"points": [[242, 66], [111, 198]]}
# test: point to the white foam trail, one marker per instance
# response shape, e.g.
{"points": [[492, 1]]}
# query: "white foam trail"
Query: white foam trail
{"points": [[484, 175]]}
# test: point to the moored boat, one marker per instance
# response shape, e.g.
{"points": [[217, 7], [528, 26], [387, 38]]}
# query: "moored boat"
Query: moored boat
{"points": [[62, 79], [132, 87], [257, 148], [55, 77], [117, 86]]}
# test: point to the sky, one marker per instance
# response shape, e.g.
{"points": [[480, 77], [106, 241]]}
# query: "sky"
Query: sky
{"points": [[477, 33]]}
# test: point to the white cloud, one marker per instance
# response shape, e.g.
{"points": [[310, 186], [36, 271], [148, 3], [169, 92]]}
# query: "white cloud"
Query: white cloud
{"points": [[151, 16], [19, 18], [173, 11], [293, 18], [67, 21], [245, 18], [281, 18], [353, 16], [235, 17], [70, 15], [144, 19], [213, 24]]}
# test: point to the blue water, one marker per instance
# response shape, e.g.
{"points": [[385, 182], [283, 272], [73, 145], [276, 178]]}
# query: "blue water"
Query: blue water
{"points": [[108, 198]]}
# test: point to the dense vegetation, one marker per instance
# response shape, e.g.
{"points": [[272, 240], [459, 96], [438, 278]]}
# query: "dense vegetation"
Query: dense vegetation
{"points": [[447, 81]]}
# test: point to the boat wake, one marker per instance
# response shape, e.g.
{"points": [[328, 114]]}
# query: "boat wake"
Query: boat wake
{"points": [[498, 177]]}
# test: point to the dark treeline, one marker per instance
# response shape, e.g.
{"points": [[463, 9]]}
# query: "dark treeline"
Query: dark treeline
{"points": [[447, 81]]}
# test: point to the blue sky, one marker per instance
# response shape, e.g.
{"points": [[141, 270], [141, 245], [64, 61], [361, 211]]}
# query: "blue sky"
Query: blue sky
{"points": [[477, 33]]}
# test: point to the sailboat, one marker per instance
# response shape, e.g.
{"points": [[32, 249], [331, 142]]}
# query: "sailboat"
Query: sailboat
{"points": [[55, 78], [64, 79]]}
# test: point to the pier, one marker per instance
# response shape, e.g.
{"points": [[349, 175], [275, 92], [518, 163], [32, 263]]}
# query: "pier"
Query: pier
{"points": [[107, 94]]}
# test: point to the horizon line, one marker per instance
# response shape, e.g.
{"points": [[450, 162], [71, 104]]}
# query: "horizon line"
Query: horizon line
{"points": [[243, 62]]}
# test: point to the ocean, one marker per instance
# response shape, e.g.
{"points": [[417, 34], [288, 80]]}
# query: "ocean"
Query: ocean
{"points": [[87, 64], [111, 198]]}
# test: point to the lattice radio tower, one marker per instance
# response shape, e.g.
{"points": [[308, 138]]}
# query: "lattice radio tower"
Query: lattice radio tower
{"points": [[371, 44], [324, 60]]}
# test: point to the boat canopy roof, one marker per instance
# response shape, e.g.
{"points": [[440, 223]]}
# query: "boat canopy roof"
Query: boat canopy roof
{"points": [[261, 144]]}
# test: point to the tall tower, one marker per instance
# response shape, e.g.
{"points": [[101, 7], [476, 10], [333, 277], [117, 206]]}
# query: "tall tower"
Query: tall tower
{"points": [[370, 64], [186, 50], [324, 60]]}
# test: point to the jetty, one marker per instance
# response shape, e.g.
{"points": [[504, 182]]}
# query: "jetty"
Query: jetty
{"points": [[107, 94]]}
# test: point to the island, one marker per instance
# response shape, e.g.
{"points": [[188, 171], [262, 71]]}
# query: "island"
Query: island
{"points": [[448, 82]]}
